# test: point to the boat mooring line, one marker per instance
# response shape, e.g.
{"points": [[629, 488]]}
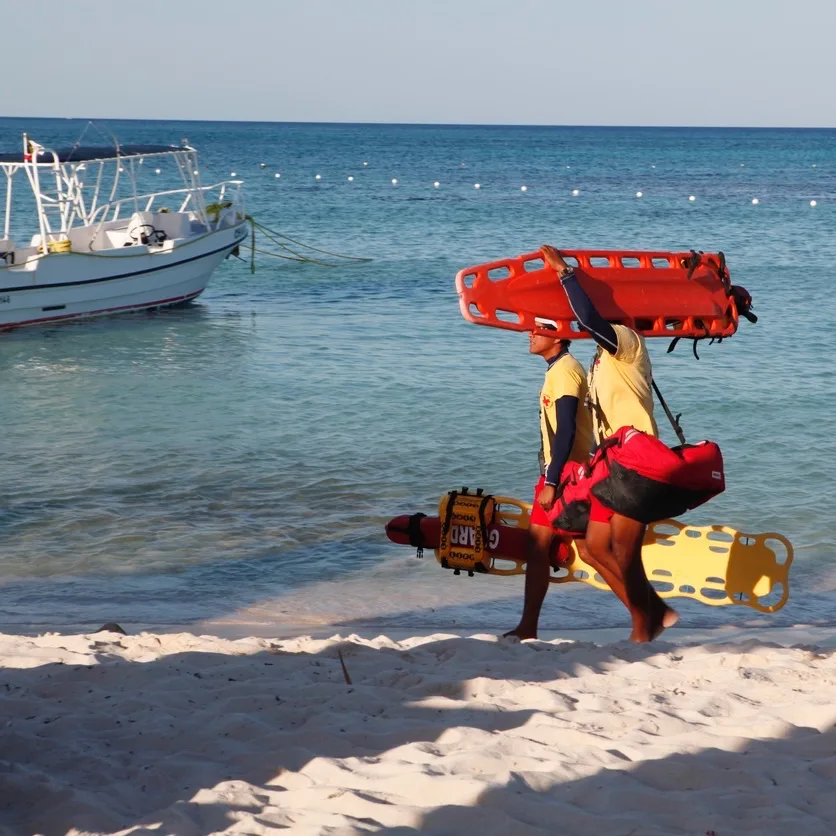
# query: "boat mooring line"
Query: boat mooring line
{"points": [[274, 236]]}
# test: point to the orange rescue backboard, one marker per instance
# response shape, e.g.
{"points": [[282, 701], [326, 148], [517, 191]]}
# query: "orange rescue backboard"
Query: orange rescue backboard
{"points": [[658, 294]]}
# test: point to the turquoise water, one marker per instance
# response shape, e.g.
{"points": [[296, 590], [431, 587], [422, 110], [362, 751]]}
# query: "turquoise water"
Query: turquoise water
{"points": [[237, 459]]}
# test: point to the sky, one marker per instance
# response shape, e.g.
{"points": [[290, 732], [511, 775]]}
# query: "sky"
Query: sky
{"points": [[760, 63]]}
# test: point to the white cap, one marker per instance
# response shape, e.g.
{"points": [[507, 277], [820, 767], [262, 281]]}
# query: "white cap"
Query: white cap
{"points": [[541, 322]]}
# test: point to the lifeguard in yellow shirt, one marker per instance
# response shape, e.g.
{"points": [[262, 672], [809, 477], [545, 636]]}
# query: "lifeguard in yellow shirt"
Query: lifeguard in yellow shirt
{"points": [[620, 395], [565, 435]]}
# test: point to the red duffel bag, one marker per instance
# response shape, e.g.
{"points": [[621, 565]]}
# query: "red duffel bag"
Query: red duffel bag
{"points": [[640, 477], [648, 481]]}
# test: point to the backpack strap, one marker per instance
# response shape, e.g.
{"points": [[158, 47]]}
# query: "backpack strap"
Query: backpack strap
{"points": [[677, 428]]}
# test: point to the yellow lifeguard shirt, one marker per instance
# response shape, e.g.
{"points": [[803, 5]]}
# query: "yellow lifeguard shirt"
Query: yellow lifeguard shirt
{"points": [[619, 387], [565, 377]]}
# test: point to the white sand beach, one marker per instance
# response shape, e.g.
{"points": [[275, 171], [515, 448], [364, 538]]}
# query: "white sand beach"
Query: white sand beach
{"points": [[185, 734]]}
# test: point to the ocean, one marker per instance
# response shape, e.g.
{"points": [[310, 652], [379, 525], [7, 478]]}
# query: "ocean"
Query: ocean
{"points": [[233, 463]]}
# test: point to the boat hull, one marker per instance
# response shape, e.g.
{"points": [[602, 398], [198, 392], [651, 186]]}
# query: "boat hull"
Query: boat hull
{"points": [[63, 286]]}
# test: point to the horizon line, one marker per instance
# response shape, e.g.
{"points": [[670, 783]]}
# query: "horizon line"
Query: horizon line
{"points": [[425, 124]]}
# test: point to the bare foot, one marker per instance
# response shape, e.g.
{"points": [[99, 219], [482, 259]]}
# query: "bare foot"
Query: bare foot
{"points": [[520, 633], [554, 259], [658, 623]]}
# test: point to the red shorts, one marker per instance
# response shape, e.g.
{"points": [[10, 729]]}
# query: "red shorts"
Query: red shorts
{"points": [[560, 550], [598, 512], [538, 515]]}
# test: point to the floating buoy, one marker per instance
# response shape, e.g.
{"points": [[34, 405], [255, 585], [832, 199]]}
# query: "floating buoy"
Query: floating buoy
{"points": [[277, 175], [394, 181], [812, 203], [365, 163], [195, 172], [263, 165], [232, 174], [350, 179], [318, 176], [575, 192], [436, 184], [814, 165], [638, 194], [755, 201], [476, 186], [743, 165], [523, 188], [691, 198], [156, 171], [653, 166]]}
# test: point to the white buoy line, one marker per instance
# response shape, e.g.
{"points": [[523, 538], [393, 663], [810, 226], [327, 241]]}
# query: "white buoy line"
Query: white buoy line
{"points": [[755, 201]]}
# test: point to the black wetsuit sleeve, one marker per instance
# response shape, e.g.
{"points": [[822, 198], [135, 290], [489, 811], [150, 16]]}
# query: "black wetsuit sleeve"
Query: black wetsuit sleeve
{"points": [[564, 438], [588, 318]]}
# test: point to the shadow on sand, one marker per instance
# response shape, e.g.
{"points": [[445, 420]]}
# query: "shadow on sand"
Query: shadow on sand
{"points": [[131, 744]]}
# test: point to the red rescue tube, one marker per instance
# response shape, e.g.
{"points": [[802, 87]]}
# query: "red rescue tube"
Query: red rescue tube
{"points": [[397, 530], [505, 542]]}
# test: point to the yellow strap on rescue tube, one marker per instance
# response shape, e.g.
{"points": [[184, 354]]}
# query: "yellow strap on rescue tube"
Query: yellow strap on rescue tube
{"points": [[463, 539]]}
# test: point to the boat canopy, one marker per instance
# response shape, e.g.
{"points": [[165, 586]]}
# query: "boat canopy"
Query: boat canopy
{"points": [[89, 153]]}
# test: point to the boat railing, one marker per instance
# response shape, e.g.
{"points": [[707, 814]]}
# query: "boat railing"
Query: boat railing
{"points": [[194, 199]]}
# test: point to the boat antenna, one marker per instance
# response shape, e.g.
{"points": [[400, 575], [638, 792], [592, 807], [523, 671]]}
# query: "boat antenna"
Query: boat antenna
{"points": [[105, 133], [78, 142]]}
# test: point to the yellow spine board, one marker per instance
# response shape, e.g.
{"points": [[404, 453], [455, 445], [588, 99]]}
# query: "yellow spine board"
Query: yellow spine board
{"points": [[713, 564], [464, 520]]}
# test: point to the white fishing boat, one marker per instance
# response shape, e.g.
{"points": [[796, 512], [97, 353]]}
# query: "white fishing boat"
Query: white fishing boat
{"points": [[95, 245]]}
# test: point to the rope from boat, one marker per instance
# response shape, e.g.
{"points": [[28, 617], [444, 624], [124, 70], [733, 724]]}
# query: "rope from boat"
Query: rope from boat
{"points": [[296, 256], [297, 259], [275, 237]]}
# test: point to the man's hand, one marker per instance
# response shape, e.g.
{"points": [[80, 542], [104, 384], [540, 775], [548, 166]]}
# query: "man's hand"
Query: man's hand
{"points": [[554, 259], [546, 497]]}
